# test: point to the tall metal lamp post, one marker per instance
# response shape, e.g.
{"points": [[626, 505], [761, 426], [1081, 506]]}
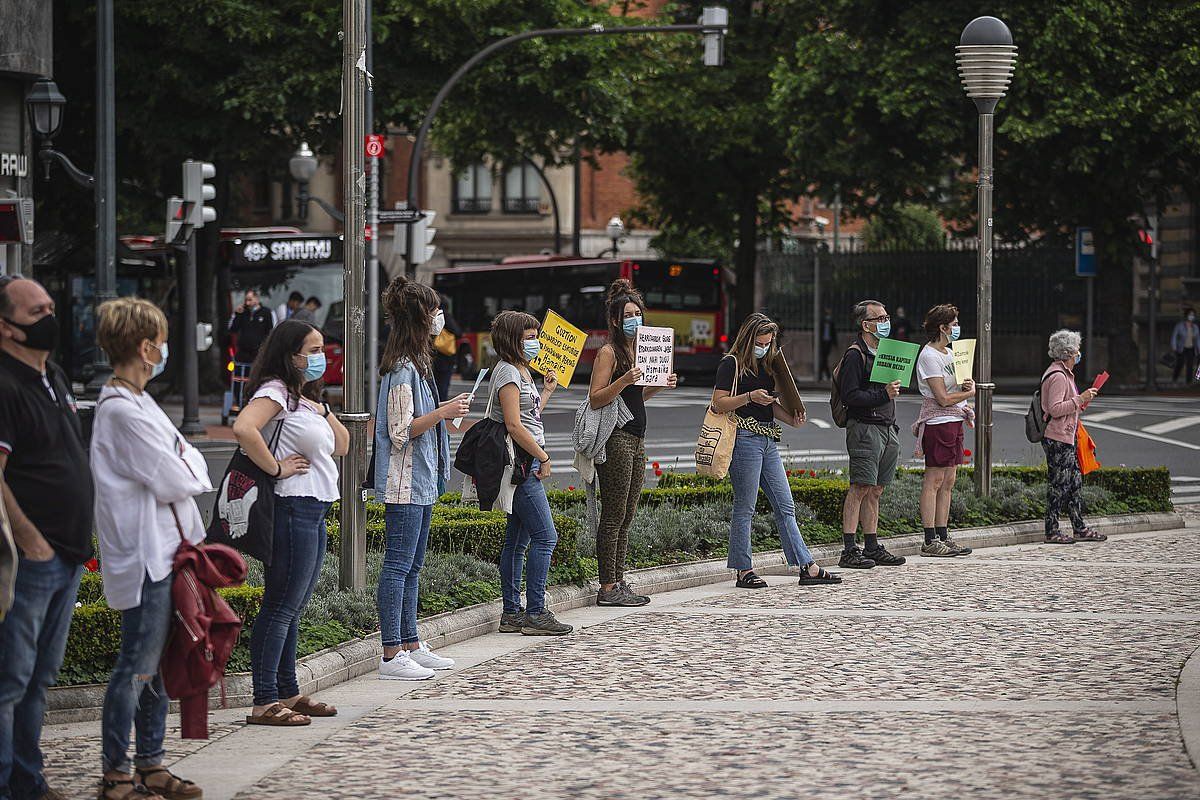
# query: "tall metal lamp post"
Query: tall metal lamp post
{"points": [[986, 57], [614, 230], [303, 166]]}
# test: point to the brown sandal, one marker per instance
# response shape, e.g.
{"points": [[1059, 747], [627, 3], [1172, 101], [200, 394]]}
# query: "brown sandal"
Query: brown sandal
{"points": [[311, 708], [175, 787], [278, 715], [134, 792]]}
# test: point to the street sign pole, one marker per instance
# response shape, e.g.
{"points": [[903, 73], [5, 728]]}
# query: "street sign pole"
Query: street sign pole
{"points": [[1085, 267], [352, 517], [373, 284]]}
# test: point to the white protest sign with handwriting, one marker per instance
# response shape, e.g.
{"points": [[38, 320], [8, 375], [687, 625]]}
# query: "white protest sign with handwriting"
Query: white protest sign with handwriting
{"points": [[654, 354]]}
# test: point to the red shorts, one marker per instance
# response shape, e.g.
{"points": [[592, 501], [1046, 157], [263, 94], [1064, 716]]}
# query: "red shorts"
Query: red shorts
{"points": [[943, 444]]}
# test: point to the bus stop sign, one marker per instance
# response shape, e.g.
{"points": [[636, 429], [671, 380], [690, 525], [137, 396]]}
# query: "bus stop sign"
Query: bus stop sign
{"points": [[1085, 253]]}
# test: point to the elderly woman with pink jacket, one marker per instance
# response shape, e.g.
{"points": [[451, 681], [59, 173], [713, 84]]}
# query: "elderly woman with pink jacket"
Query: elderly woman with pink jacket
{"points": [[1063, 404]]}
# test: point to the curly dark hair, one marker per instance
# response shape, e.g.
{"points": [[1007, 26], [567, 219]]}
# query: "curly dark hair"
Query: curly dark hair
{"points": [[936, 317], [274, 362], [408, 306]]}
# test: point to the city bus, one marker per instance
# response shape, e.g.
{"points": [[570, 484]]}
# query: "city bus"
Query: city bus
{"points": [[688, 295]]}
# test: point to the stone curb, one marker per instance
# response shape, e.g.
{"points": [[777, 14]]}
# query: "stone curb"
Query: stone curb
{"points": [[357, 657], [1187, 706]]}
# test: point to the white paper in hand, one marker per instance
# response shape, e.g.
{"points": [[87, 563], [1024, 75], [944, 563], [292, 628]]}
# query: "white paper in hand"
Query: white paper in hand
{"points": [[457, 422]]}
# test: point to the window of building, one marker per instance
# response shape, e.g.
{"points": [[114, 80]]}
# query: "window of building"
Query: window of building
{"points": [[262, 193], [473, 190], [522, 190]]}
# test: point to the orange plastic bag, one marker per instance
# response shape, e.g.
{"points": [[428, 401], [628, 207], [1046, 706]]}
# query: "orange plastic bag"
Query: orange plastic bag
{"points": [[1085, 451]]}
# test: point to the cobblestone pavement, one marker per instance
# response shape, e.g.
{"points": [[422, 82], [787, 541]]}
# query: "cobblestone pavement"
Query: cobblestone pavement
{"points": [[1021, 672]]}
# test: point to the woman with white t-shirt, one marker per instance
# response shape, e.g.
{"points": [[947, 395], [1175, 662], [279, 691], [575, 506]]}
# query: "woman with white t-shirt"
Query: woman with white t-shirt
{"points": [[285, 389], [939, 428], [147, 477]]}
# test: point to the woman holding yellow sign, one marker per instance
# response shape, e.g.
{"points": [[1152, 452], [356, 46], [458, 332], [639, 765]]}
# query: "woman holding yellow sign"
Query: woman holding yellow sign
{"points": [[624, 468]]}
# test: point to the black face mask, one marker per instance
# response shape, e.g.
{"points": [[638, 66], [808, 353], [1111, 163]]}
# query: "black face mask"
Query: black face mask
{"points": [[41, 335]]}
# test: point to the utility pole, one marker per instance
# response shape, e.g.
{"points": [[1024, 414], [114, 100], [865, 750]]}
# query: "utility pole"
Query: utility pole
{"points": [[105, 183], [352, 517], [372, 220]]}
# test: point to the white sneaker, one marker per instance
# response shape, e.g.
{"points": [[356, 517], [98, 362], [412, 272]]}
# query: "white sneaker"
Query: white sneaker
{"points": [[403, 668], [429, 659]]}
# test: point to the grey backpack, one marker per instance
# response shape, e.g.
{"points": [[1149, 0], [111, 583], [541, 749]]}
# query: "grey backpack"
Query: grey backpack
{"points": [[1036, 419]]}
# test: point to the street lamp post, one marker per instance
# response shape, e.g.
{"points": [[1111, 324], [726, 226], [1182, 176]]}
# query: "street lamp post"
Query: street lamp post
{"points": [[713, 26], [614, 229], [303, 166], [986, 56]]}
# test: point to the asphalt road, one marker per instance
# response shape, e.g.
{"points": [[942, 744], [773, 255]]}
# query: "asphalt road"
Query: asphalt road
{"points": [[1129, 430]]}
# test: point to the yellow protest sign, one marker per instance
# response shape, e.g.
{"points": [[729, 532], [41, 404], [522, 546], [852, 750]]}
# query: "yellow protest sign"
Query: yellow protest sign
{"points": [[964, 359], [562, 344]]}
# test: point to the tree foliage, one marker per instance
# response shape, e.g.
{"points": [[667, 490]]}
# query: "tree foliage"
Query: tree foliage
{"points": [[907, 226]]}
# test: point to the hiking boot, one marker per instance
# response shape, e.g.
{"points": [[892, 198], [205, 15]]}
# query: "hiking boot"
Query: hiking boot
{"points": [[512, 621], [544, 624], [959, 549], [883, 558], [642, 598], [618, 595], [938, 549], [853, 559]]}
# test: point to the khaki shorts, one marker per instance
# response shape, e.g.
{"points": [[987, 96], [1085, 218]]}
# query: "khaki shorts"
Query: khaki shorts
{"points": [[874, 452]]}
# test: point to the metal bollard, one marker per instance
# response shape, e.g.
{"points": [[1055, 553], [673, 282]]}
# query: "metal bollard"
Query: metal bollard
{"points": [[352, 552]]}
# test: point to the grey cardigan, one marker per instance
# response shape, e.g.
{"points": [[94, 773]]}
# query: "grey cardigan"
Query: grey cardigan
{"points": [[593, 426]]}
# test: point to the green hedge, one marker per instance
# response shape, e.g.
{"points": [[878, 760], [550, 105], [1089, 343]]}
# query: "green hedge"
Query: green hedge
{"points": [[1143, 489]]}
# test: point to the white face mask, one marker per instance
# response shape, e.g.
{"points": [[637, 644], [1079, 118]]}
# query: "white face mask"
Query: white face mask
{"points": [[439, 322]]}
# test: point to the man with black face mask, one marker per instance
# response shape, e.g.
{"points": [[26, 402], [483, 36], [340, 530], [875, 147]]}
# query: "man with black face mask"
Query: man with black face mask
{"points": [[48, 496]]}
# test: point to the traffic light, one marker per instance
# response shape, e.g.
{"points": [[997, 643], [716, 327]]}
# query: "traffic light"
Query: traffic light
{"points": [[1148, 237], [204, 338], [422, 236], [176, 221], [196, 192]]}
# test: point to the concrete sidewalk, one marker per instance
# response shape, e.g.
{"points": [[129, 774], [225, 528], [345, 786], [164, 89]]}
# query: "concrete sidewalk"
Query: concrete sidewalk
{"points": [[1026, 671]]}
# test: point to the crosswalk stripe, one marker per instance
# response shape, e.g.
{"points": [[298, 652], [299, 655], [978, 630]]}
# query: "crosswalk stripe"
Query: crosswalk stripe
{"points": [[1103, 415], [1172, 424], [820, 423]]}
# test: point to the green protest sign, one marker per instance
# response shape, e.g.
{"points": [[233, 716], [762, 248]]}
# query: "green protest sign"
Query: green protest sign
{"points": [[894, 361]]}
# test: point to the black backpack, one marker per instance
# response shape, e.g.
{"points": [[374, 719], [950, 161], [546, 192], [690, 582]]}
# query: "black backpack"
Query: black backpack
{"points": [[837, 408], [1035, 418]]}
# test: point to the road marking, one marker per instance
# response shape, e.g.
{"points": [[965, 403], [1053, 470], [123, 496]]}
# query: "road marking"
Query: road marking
{"points": [[1173, 424], [820, 423], [1184, 479], [1138, 434], [1106, 415]]}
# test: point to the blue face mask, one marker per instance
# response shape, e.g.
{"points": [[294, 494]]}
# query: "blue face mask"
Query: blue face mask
{"points": [[316, 366], [883, 329], [760, 350], [157, 369], [530, 349], [1078, 357], [955, 332], [631, 324]]}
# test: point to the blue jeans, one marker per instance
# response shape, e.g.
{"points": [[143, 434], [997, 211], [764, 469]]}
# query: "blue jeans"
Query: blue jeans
{"points": [[407, 537], [297, 553], [756, 463], [33, 638], [135, 693], [530, 527]]}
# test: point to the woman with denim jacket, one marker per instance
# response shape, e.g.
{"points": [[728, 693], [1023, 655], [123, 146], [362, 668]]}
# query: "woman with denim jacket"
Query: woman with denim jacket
{"points": [[412, 466], [147, 477]]}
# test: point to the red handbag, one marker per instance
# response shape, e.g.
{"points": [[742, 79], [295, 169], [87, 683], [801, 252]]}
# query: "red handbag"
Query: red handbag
{"points": [[204, 630]]}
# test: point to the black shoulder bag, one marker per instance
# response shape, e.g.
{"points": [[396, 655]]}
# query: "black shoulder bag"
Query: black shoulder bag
{"points": [[243, 513]]}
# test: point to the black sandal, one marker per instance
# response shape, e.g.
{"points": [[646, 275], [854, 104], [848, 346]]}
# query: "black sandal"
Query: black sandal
{"points": [[136, 790], [822, 577], [750, 581]]}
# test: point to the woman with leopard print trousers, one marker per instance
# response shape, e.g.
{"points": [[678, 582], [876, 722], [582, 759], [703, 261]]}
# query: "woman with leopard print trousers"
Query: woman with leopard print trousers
{"points": [[1063, 403], [756, 367]]}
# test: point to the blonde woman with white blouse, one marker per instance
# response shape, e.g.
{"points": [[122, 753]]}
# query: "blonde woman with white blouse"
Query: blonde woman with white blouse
{"points": [[147, 476]]}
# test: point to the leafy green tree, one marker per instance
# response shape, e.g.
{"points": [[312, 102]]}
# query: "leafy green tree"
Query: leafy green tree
{"points": [[1099, 122], [905, 227]]}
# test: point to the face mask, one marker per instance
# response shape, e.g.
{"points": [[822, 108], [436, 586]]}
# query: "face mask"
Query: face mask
{"points": [[1078, 357], [439, 322], [760, 350], [955, 332], [530, 349], [883, 329], [157, 369], [631, 324], [316, 366], [41, 335], [1191, 317]]}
